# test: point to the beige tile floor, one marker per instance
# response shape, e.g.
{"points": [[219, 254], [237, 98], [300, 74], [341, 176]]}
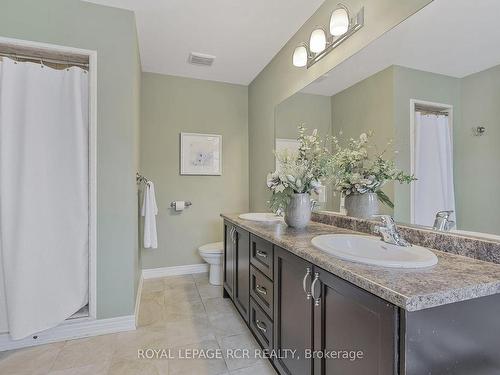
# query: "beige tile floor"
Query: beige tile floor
{"points": [[179, 312]]}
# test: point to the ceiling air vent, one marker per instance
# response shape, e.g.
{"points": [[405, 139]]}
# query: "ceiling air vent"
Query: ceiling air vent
{"points": [[196, 58]]}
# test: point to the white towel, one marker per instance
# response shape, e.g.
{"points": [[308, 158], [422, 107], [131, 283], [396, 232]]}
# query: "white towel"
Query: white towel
{"points": [[149, 211]]}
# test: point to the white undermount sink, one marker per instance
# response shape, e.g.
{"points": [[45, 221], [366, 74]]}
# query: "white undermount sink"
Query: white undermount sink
{"points": [[260, 216], [373, 251]]}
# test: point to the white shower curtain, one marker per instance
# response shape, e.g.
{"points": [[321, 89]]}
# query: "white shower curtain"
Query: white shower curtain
{"points": [[43, 194], [433, 190]]}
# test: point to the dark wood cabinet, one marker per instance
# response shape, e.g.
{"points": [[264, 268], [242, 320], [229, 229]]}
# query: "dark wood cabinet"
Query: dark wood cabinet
{"points": [[356, 327], [261, 290], [290, 304], [261, 325], [229, 260], [293, 312], [337, 328], [261, 255], [237, 267], [241, 293]]}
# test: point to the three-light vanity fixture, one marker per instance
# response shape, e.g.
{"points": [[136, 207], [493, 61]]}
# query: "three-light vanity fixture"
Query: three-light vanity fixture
{"points": [[342, 26]]}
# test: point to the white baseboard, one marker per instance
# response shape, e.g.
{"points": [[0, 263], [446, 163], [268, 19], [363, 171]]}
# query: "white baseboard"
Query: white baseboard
{"points": [[74, 329], [138, 298], [152, 273]]}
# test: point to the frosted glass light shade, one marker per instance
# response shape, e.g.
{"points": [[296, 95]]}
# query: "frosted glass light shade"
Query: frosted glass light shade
{"points": [[300, 56], [317, 42], [339, 22]]}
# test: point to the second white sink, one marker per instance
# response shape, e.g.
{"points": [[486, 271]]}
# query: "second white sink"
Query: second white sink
{"points": [[370, 250]]}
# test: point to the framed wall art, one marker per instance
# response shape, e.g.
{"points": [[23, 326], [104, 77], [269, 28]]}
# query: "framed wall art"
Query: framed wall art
{"points": [[201, 154]]}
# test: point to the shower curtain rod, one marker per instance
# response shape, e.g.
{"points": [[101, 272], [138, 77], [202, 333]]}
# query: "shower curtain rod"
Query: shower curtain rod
{"points": [[16, 56]]}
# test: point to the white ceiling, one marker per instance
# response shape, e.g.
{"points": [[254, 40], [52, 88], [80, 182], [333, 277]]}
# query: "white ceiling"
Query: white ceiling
{"points": [[244, 35], [451, 37]]}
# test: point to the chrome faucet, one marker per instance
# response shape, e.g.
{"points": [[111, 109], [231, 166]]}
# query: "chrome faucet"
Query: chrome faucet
{"points": [[442, 221], [389, 231]]}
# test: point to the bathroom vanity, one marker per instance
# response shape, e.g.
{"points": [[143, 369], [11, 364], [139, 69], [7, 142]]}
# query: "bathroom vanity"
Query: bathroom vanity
{"points": [[370, 319]]}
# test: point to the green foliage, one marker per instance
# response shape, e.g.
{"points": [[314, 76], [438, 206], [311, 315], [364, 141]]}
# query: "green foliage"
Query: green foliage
{"points": [[302, 172], [357, 171], [350, 165]]}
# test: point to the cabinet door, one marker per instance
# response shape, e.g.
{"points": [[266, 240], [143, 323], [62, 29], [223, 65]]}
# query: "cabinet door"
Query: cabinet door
{"points": [[292, 311], [229, 259], [242, 280], [349, 319]]}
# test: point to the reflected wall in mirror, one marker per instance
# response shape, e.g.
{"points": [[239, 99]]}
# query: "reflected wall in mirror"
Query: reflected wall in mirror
{"points": [[437, 97]]}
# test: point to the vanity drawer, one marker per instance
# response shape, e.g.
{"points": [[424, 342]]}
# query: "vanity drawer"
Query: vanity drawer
{"points": [[261, 325], [261, 255], [261, 289]]}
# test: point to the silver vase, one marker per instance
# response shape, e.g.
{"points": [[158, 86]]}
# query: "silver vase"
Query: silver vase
{"points": [[298, 211], [363, 206]]}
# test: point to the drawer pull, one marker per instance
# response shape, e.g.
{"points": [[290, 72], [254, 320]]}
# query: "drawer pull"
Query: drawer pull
{"points": [[260, 325], [261, 254], [304, 283], [261, 289], [316, 299]]}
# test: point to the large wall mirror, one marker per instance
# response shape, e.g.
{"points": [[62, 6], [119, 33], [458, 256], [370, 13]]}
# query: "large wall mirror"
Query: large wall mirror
{"points": [[431, 85]]}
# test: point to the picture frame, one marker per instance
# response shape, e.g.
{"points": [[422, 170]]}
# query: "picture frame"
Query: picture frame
{"points": [[200, 154]]}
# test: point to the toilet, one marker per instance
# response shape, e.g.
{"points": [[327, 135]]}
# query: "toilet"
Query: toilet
{"points": [[212, 254]]}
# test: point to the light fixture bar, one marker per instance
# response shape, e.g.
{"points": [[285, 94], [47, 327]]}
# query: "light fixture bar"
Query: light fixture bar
{"points": [[356, 24]]}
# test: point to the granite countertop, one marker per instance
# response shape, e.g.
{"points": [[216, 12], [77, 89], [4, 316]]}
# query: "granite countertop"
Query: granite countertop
{"points": [[455, 278]]}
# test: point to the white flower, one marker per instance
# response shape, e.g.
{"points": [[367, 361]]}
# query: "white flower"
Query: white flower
{"points": [[315, 184], [363, 137], [279, 189]]}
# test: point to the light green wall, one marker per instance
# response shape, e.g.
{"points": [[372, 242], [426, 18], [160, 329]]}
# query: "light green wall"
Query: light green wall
{"points": [[311, 110], [416, 84], [171, 105], [364, 107], [476, 164], [279, 79], [113, 34], [382, 103], [314, 111]]}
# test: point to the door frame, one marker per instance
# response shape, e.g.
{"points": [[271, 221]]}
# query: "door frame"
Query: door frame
{"points": [[446, 108], [92, 56]]}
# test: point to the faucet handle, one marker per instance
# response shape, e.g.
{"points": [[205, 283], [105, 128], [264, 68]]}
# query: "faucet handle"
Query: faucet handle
{"points": [[387, 220], [450, 224], [445, 213]]}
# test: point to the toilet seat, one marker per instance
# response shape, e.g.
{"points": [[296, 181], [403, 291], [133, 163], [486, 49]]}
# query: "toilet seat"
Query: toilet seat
{"points": [[212, 248]]}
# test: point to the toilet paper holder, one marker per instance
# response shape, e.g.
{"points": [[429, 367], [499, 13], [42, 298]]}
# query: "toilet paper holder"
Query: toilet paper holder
{"points": [[186, 204]]}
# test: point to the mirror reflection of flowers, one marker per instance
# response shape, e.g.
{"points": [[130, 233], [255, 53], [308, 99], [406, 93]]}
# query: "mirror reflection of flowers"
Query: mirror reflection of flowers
{"points": [[299, 172], [356, 171]]}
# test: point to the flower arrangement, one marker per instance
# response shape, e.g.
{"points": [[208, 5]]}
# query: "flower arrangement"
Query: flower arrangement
{"points": [[356, 172], [302, 172]]}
